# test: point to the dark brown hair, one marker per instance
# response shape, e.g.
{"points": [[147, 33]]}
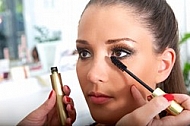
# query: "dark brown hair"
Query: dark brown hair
{"points": [[159, 18]]}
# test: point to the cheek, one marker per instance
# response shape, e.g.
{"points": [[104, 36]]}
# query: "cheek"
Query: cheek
{"points": [[121, 85], [122, 92], [149, 77], [123, 96], [147, 74]]}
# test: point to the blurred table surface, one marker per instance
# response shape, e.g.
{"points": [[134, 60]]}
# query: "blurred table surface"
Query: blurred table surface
{"points": [[19, 98]]}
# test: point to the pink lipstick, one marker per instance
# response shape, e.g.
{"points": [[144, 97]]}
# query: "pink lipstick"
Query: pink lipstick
{"points": [[99, 98]]}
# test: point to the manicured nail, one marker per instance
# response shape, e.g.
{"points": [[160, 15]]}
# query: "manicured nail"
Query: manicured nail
{"points": [[169, 97], [50, 94], [68, 99], [149, 97], [67, 86], [72, 107]]}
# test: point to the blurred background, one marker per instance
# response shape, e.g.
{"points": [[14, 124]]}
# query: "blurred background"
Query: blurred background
{"points": [[38, 34], [30, 27]]}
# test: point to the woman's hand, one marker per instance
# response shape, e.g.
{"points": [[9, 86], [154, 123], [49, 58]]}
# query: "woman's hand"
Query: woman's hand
{"points": [[47, 114], [147, 113]]}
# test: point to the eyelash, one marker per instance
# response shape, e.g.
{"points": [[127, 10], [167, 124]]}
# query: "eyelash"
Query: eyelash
{"points": [[120, 49], [85, 53], [81, 52]]}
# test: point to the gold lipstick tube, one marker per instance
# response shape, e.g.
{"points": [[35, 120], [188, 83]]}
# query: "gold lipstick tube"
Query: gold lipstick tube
{"points": [[174, 108], [57, 85]]}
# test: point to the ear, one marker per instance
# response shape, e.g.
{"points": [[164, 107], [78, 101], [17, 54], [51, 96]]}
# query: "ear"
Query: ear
{"points": [[166, 63]]}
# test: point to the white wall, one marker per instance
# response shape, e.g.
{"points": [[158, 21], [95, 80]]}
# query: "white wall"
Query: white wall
{"points": [[72, 12], [178, 7], [182, 12], [55, 14], [188, 25]]}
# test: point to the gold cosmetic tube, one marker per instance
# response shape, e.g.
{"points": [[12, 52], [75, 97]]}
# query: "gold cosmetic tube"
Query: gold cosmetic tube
{"points": [[57, 85], [174, 108]]}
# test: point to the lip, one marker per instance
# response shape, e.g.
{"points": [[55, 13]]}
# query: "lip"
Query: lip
{"points": [[99, 98]]}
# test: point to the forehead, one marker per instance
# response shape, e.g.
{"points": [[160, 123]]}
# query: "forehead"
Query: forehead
{"points": [[112, 11], [111, 22]]}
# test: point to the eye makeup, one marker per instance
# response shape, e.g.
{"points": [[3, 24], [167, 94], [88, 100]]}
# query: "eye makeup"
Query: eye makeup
{"points": [[119, 47], [84, 53], [122, 51]]}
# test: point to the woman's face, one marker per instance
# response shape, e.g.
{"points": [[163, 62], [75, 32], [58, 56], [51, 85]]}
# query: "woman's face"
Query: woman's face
{"points": [[106, 31]]}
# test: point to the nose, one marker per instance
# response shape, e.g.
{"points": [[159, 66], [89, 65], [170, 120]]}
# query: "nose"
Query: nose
{"points": [[98, 71]]}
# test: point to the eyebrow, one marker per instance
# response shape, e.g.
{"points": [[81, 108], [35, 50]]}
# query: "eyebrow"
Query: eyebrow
{"points": [[82, 41], [110, 41]]}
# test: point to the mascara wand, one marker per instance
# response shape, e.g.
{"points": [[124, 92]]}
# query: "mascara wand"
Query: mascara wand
{"points": [[174, 108], [121, 66]]}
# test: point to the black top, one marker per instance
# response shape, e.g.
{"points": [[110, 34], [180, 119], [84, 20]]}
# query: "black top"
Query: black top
{"points": [[93, 124]]}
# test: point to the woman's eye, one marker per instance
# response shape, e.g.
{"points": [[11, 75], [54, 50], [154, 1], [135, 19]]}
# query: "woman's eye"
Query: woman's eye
{"points": [[121, 53], [84, 54]]}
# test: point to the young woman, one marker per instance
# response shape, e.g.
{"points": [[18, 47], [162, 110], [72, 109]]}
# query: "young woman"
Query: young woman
{"points": [[143, 34]]}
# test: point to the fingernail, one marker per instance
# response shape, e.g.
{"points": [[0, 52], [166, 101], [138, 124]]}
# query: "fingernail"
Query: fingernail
{"points": [[72, 107], [50, 94], [149, 97], [67, 87], [68, 99], [169, 97]]}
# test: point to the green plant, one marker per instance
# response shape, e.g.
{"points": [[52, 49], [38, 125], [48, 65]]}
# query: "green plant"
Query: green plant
{"points": [[184, 38], [45, 35], [2, 6], [186, 70], [186, 67]]}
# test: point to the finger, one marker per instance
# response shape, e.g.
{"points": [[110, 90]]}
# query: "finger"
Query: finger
{"points": [[149, 97], [39, 116], [68, 100], [183, 100], [66, 90], [150, 110], [47, 106], [68, 122], [71, 112], [53, 117], [182, 119], [137, 96]]}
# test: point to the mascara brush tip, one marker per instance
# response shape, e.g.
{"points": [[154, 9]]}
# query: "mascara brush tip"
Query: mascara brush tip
{"points": [[117, 63]]}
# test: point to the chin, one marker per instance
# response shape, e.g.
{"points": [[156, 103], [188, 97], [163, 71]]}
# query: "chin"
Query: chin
{"points": [[100, 116]]}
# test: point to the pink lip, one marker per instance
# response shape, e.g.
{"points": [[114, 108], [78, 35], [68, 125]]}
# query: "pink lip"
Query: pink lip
{"points": [[98, 98]]}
